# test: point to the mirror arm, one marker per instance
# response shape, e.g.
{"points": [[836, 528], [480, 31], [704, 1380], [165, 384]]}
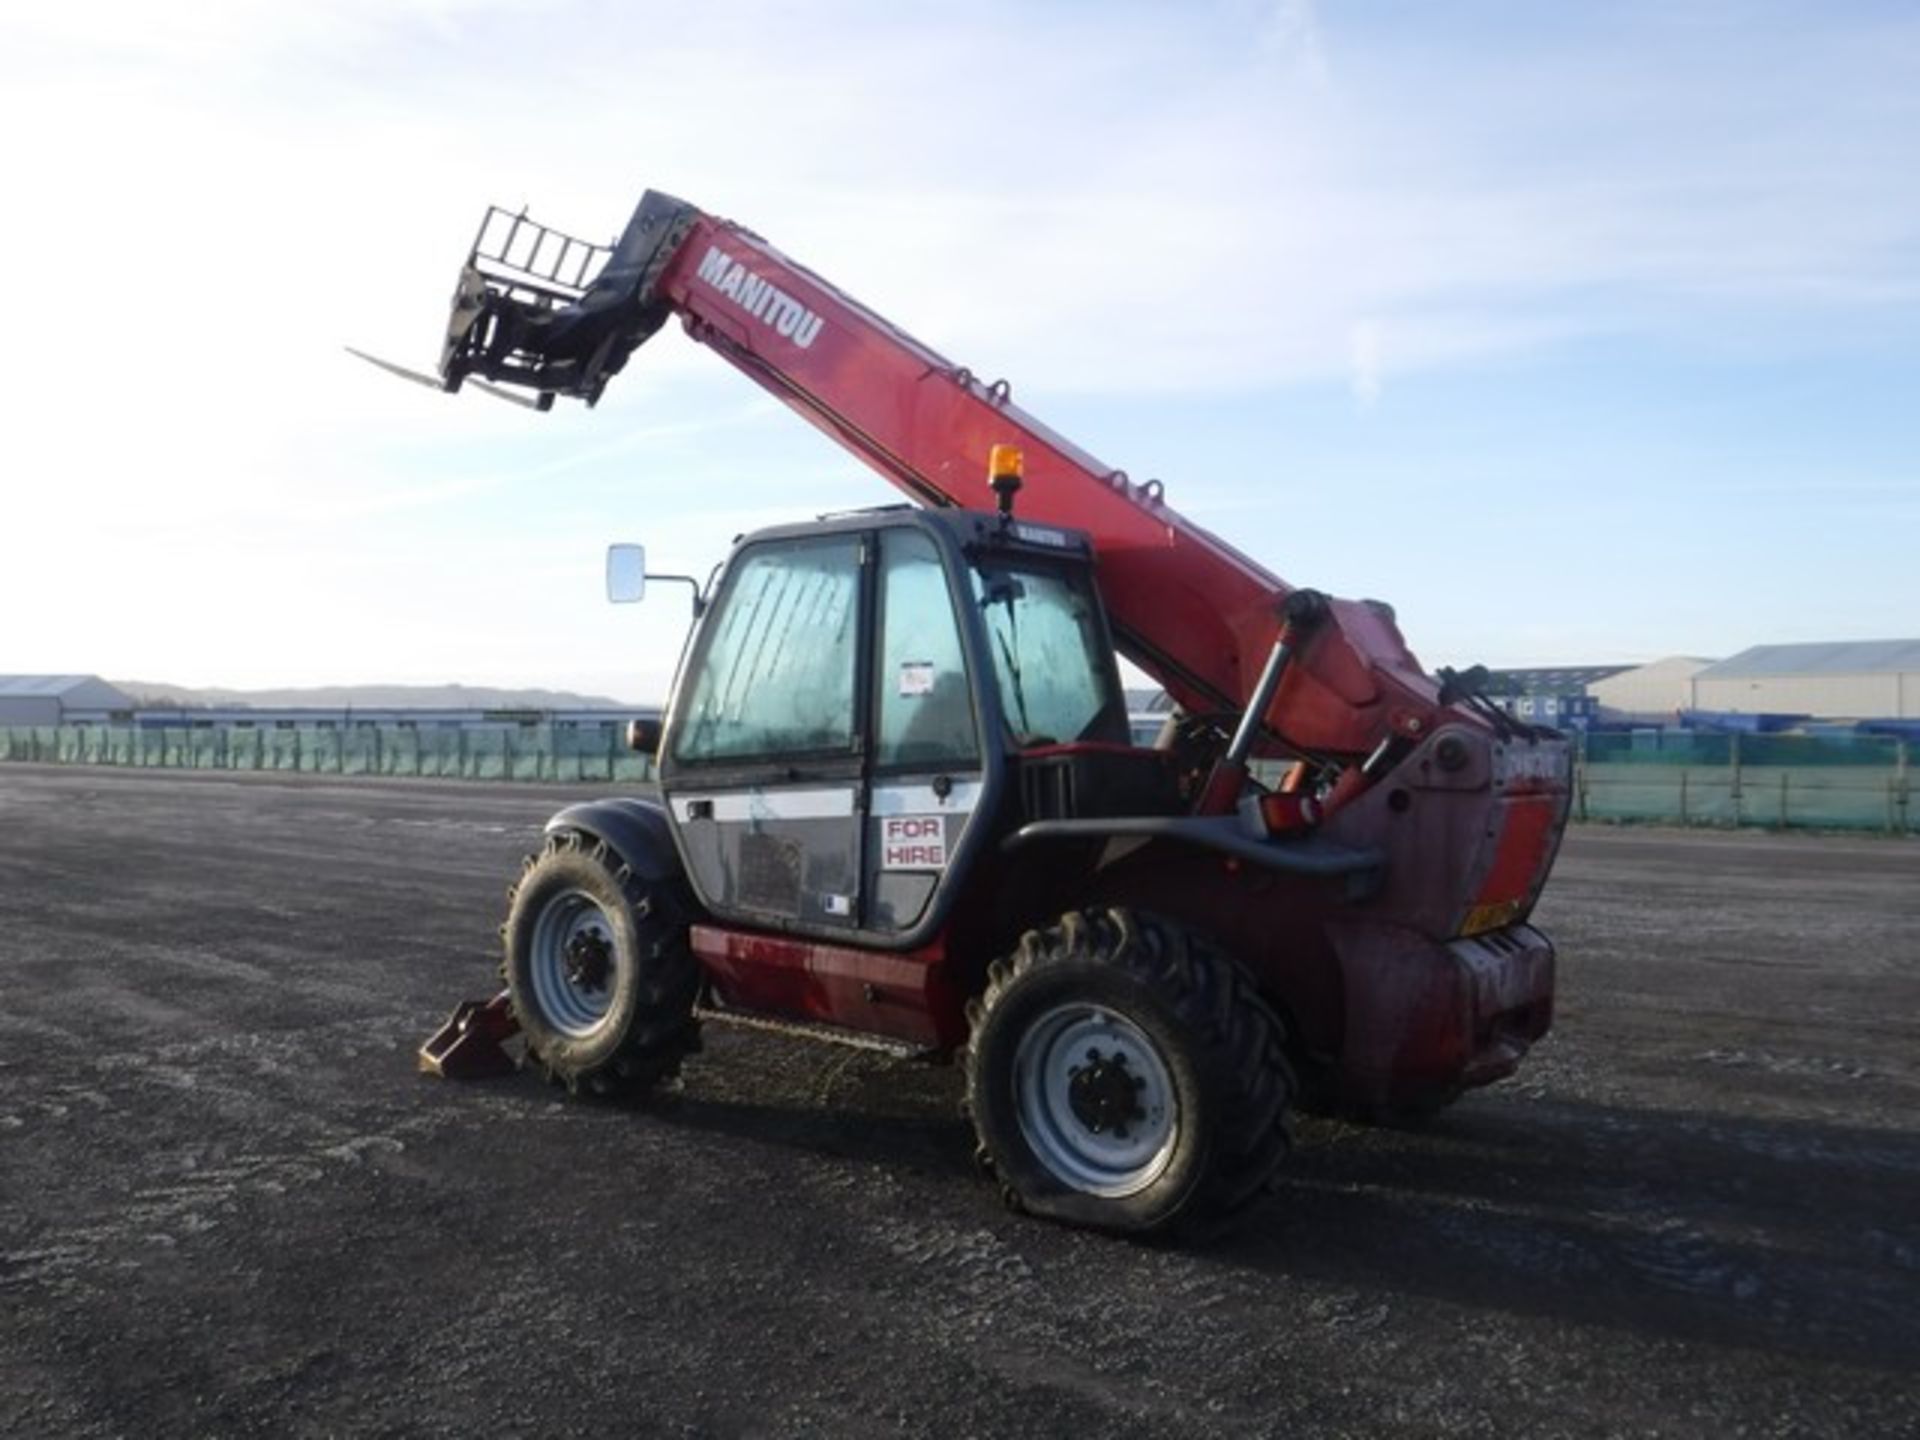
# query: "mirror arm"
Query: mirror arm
{"points": [[699, 600]]}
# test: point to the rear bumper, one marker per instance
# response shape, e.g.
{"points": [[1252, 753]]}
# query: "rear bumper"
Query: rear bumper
{"points": [[1425, 1019]]}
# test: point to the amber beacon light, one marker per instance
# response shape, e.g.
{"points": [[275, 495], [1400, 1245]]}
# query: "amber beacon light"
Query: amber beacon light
{"points": [[1004, 467]]}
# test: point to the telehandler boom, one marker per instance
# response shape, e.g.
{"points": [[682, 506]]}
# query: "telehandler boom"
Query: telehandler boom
{"points": [[899, 798]]}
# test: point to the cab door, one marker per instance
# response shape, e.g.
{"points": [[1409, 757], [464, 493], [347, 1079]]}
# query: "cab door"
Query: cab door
{"points": [[928, 766], [763, 761]]}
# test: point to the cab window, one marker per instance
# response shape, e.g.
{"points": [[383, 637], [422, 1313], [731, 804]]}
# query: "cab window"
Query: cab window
{"points": [[925, 700], [777, 675], [1057, 681]]}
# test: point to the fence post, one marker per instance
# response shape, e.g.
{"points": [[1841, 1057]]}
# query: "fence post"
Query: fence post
{"points": [[1683, 794], [1783, 798], [1733, 759]]}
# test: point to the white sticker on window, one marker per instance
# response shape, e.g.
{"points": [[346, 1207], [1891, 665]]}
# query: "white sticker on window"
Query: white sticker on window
{"points": [[916, 677], [913, 842]]}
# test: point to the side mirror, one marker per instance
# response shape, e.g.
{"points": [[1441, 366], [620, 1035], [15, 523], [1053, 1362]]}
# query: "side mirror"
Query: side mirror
{"points": [[643, 736], [627, 577], [626, 574]]}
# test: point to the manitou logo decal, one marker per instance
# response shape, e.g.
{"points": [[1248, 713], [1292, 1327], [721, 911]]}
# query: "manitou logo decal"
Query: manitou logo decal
{"points": [[760, 298]]}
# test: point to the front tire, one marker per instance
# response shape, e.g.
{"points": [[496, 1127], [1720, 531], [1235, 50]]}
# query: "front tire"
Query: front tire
{"points": [[599, 970], [1123, 1074]]}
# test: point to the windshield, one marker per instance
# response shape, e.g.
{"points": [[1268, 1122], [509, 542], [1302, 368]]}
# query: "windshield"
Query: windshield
{"points": [[1057, 681]]}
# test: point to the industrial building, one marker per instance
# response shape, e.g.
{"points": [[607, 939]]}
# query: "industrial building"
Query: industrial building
{"points": [[89, 700], [1766, 687], [62, 700], [1655, 694], [1560, 696], [1841, 680], [334, 717]]}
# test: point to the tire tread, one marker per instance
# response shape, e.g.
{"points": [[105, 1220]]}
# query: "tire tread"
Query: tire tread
{"points": [[1240, 1039], [662, 1030]]}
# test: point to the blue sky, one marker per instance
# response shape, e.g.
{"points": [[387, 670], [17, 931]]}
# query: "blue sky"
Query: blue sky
{"points": [[1581, 333]]}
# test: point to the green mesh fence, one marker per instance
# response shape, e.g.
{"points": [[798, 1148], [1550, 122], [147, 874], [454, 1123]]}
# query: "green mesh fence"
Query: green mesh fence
{"points": [[1775, 781], [554, 753], [1658, 747]]}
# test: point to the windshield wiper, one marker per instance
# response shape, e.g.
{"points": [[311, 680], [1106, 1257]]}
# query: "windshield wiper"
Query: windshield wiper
{"points": [[1013, 667], [1005, 590]]}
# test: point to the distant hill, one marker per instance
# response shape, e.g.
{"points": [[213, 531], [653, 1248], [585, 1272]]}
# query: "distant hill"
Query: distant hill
{"points": [[371, 697]]}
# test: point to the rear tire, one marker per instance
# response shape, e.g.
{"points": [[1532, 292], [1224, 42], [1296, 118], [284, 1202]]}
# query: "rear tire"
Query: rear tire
{"points": [[1123, 1074], [599, 970]]}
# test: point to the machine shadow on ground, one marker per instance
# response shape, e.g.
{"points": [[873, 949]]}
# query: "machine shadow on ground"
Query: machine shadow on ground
{"points": [[1780, 1236]]}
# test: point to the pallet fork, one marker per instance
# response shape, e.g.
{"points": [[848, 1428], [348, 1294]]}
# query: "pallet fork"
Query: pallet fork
{"points": [[471, 1045]]}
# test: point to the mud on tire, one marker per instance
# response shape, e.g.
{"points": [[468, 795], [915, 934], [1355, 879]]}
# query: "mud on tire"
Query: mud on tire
{"points": [[599, 968], [1124, 1074]]}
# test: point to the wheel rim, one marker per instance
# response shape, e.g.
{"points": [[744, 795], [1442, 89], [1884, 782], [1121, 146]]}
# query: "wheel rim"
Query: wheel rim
{"points": [[1095, 1100], [571, 963]]}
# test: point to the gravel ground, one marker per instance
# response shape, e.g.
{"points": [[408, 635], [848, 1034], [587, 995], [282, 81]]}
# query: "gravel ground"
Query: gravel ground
{"points": [[229, 1206]]}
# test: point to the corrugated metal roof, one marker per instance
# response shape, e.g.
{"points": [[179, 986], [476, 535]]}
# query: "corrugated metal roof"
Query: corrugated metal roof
{"points": [[41, 684], [1837, 657], [74, 692], [1550, 678]]}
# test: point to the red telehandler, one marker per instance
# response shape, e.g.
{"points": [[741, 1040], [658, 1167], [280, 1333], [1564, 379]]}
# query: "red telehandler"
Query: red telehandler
{"points": [[899, 800]]}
